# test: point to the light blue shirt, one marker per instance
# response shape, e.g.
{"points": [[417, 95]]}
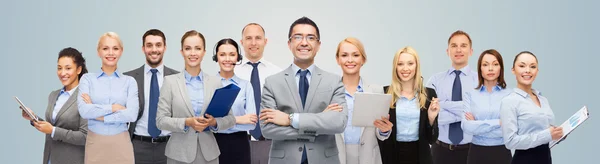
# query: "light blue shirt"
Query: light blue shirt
{"points": [[63, 96], [485, 107], [352, 133], [243, 104], [311, 69], [195, 88], [106, 90], [524, 124], [407, 119], [451, 111]]}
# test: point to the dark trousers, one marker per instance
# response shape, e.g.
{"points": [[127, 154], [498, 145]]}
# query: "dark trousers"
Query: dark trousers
{"points": [[489, 155], [234, 147], [536, 155], [444, 155], [149, 153], [260, 151]]}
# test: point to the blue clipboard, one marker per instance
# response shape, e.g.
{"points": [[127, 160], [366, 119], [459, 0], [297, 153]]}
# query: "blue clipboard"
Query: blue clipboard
{"points": [[222, 100]]}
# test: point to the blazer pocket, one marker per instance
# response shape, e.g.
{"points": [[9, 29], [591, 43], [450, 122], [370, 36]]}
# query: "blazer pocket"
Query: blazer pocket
{"points": [[277, 154], [331, 152]]}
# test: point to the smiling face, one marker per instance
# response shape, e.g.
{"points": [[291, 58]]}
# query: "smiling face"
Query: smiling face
{"points": [[193, 51], [304, 43], [253, 41], [525, 68], [109, 50], [459, 50], [154, 49], [406, 67], [67, 71], [350, 58], [227, 56]]}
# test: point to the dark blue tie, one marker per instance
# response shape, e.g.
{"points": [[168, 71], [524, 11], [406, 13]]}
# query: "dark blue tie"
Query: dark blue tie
{"points": [[255, 81], [455, 133], [303, 86], [154, 92]]}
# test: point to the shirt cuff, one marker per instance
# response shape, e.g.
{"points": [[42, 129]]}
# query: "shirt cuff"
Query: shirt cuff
{"points": [[384, 134], [186, 128], [295, 121], [53, 129], [214, 128]]}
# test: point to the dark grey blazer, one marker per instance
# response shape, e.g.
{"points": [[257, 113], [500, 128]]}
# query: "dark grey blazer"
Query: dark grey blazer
{"points": [[138, 75], [68, 144]]}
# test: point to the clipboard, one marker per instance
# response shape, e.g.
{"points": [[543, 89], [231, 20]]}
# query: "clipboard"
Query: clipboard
{"points": [[29, 112], [222, 100], [368, 107], [572, 123]]}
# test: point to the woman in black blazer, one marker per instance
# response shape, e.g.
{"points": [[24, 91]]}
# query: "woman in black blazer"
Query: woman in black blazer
{"points": [[413, 115]]}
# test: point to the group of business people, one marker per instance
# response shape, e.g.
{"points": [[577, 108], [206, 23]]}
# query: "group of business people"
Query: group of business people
{"points": [[301, 114]]}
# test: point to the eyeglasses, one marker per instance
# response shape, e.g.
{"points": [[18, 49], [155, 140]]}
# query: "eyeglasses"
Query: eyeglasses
{"points": [[299, 38]]}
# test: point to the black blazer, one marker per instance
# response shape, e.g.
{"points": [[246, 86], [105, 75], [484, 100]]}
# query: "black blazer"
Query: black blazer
{"points": [[427, 135], [138, 75]]}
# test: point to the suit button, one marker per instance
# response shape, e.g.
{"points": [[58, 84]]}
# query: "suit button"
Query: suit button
{"points": [[300, 149]]}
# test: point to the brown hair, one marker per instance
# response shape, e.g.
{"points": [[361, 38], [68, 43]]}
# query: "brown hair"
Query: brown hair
{"points": [[155, 32], [193, 33], [498, 57], [459, 32]]}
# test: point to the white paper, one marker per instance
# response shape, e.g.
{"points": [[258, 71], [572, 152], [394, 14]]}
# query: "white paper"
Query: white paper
{"points": [[368, 107], [573, 122]]}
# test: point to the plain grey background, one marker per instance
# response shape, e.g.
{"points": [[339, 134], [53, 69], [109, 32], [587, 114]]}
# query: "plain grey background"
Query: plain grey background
{"points": [[562, 34]]}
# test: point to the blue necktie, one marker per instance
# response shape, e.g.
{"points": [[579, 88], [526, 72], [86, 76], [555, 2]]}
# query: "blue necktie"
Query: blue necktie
{"points": [[255, 81], [455, 133], [303, 86], [154, 92]]}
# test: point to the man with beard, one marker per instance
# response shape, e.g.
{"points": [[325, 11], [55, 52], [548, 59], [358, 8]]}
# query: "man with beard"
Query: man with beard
{"points": [[148, 141]]}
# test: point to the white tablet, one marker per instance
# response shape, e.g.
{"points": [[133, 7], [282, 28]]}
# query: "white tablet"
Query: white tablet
{"points": [[368, 107]]}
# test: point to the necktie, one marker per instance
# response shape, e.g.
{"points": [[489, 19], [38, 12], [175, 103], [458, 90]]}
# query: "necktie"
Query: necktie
{"points": [[455, 133], [154, 92], [255, 81], [303, 86]]}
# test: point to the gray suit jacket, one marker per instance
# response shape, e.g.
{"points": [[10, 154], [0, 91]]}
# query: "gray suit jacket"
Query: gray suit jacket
{"points": [[68, 144], [138, 75], [316, 128], [174, 106], [368, 148]]}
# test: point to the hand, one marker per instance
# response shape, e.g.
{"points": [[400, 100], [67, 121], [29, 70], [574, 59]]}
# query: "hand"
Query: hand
{"points": [[469, 116], [196, 123], [86, 98], [100, 118], [211, 120], [117, 107], [384, 125], [334, 107], [246, 119], [275, 116], [556, 132], [25, 115], [434, 110], [43, 126]]}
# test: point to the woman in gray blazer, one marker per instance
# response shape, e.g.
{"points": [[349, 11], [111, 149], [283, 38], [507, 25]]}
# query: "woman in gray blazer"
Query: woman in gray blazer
{"points": [[357, 145], [181, 106], [65, 130]]}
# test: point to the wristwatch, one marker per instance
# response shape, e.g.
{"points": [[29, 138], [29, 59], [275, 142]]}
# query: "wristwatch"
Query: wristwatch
{"points": [[291, 117]]}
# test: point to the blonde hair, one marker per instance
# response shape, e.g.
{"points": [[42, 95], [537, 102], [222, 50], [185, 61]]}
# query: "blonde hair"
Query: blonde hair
{"points": [[112, 35], [356, 43], [395, 88]]}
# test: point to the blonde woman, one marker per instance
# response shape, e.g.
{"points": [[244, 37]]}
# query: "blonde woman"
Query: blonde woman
{"points": [[357, 144], [108, 100], [412, 113]]}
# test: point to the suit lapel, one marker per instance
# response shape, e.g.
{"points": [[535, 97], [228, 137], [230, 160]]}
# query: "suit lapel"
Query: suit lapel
{"points": [[209, 90], [291, 82], [313, 86], [184, 93], [53, 98], [139, 77], [67, 104]]}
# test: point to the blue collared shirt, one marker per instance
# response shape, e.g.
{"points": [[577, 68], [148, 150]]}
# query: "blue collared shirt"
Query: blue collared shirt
{"points": [[106, 90], [524, 124], [243, 104], [352, 133], [407, 119], [451, 111], [63, 96], [485, 107], [195, 87], [310, 69]]}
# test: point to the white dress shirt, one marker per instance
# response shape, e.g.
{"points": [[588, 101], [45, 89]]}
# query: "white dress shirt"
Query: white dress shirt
{"points": [[142, 124]]}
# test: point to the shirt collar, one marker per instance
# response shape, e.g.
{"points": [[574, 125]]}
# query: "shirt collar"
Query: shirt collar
{"points": [[261, 61], [465, 70], [359, 88], [234, 78], [70, 92], [189, 78], [116, 73], [484, 89], [524, 94], [311, 69], [160, 68]]}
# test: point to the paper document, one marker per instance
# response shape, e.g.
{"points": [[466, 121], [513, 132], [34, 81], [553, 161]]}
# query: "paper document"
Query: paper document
{"points": [[573, 122], [368, 107], [28, 111]]}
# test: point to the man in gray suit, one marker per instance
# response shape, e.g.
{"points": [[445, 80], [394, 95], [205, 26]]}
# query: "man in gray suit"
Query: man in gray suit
{"points": [[148, 142], [294, 100]]}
